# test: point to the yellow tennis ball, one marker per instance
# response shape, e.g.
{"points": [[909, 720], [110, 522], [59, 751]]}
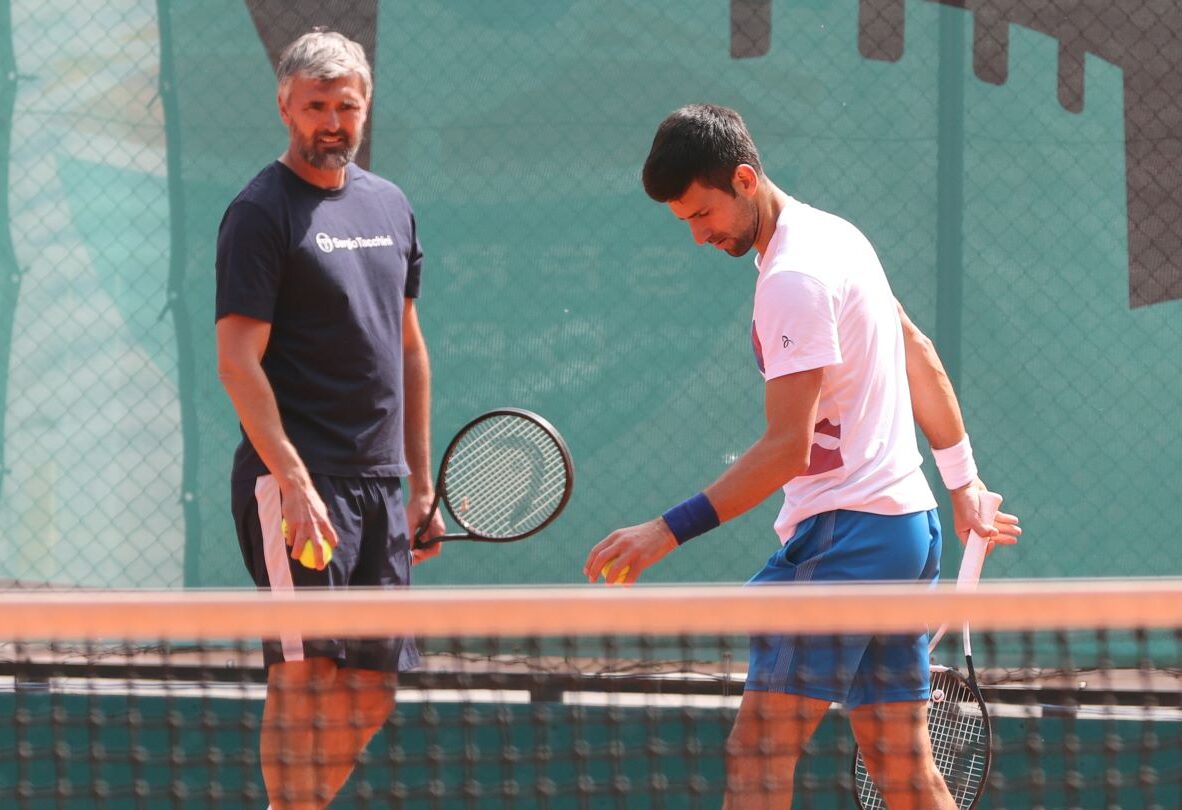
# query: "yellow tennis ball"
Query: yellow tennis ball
{"points": [[607, 569], [308, 555]]}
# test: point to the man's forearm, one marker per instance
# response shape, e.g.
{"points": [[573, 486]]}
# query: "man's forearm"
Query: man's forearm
{"points": [[763, 469], [933, 400], [780, 454], [254, 401], [417, 422]]}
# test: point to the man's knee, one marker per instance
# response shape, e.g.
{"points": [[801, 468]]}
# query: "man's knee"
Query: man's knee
{"points": [[296, 690], [776, 725], [893, 741], [369, 696]]}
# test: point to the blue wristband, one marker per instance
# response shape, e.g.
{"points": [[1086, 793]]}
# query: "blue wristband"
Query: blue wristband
{"points": [[691, 517]]}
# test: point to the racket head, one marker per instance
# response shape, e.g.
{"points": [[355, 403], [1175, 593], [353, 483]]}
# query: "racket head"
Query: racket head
{"points": [[958, 726], [505, 476]]}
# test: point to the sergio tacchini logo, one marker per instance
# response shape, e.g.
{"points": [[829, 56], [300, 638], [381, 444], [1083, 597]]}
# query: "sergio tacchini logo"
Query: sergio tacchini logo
{"points": [[328, 244]]}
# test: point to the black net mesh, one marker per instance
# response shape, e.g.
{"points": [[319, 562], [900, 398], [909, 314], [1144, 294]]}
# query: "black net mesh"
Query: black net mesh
{"points": [[1079, 718]]}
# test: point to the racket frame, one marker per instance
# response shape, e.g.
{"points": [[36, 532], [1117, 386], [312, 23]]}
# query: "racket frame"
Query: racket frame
{"points": [[970, 573], [441, 493], [970, 682]]}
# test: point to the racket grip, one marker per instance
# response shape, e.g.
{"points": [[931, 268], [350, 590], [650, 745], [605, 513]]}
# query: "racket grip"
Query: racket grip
{"points": [[974, 548], [416, 540]]}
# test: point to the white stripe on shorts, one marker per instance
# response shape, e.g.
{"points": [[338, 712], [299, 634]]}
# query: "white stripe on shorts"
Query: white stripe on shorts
{"points": [[266, 493]]}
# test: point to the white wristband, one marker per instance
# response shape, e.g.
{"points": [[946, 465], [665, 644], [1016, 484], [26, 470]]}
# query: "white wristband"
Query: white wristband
{"points": [[956, 464]]}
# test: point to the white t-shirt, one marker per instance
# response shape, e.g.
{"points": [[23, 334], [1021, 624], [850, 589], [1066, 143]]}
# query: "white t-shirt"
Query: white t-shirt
{"points": [[822, 300]]}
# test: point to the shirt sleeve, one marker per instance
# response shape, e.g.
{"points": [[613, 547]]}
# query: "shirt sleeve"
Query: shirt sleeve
{"points": [[414, 265], [249, 263], [796, 323]]}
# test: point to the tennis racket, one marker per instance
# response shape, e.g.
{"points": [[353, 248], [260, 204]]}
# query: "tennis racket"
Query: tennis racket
{"points": [[958, 720], [505, 476]]}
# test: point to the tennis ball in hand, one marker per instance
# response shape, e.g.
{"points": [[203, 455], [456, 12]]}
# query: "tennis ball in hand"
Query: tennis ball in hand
{"points": [[308, 555], [607, 571]]}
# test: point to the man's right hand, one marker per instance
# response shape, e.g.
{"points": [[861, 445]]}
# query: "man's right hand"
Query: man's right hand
{"points": [[305, 515], [629, 551]]}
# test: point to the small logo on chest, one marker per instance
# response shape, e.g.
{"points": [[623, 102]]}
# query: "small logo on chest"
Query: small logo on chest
{"points": [[328, 244]]}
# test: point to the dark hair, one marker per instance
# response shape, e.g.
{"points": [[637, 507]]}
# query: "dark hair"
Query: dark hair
{"points": [[702, 142]]}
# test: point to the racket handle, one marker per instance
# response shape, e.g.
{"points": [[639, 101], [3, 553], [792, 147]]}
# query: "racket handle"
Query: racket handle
{"points": [[417, 537], [972, 560], [975, 547], [417, 541]]}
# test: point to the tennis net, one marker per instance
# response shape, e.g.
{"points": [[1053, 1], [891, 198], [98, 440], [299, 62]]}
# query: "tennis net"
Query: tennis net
{"points": [[578, 698]]}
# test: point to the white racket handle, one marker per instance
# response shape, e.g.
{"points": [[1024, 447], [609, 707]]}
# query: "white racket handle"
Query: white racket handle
{"points": [[973, 557], [974, 548]]}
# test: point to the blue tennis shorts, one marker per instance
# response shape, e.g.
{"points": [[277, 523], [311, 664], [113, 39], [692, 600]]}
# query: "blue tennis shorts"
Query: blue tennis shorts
{"points": [[374, 551], [844, 546]]}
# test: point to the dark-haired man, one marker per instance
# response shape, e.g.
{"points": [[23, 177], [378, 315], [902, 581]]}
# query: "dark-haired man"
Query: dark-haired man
{"points": [[847, 376]]}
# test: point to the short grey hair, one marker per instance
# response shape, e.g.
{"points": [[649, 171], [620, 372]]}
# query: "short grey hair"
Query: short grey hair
{"points": [[324, 55]]}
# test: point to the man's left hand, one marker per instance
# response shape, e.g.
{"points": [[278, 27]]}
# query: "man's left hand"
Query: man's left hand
{"points": [[417, 509], [966, 517]]}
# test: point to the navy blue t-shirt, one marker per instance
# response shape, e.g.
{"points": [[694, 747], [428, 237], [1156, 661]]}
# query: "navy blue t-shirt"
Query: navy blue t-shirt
{"points": [[330, 271]]}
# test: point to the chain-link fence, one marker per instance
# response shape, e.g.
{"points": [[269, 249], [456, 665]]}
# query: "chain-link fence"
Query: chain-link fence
{"points": [[1016, 163]]}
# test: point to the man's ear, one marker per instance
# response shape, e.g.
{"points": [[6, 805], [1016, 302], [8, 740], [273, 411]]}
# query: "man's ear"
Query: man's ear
{"points": [[745, 180], [281, 102]]}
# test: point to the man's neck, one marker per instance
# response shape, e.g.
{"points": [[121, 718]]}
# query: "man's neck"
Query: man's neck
{"points": [[770, 203], [327, 179]]}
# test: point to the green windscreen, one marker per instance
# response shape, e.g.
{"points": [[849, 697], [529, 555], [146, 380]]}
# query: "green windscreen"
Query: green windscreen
{"points": [[1011, 166]]}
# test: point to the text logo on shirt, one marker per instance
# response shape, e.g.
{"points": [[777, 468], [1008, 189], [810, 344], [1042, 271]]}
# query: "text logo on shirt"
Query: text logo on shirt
{"points": [[328, 244]]}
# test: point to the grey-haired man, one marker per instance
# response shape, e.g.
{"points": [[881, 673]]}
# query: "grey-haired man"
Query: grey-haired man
{"points": [[320, 351]]}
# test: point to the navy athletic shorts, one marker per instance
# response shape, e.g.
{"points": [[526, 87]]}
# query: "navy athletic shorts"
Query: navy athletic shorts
{"points": [[852, 669], [374, 551]]}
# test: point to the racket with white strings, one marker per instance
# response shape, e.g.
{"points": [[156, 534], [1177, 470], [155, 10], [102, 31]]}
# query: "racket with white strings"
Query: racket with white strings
{"points": [[505, 476], [958, 720]]}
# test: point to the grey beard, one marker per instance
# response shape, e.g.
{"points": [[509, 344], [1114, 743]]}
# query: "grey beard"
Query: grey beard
{"points": [[338, 159]]}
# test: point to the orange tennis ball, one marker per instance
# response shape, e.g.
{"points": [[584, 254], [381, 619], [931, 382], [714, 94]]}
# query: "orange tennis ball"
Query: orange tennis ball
{"points": [[607, 570]]}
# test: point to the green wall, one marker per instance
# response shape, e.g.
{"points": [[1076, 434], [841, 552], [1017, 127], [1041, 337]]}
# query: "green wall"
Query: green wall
{"points": [[553, 283]]}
